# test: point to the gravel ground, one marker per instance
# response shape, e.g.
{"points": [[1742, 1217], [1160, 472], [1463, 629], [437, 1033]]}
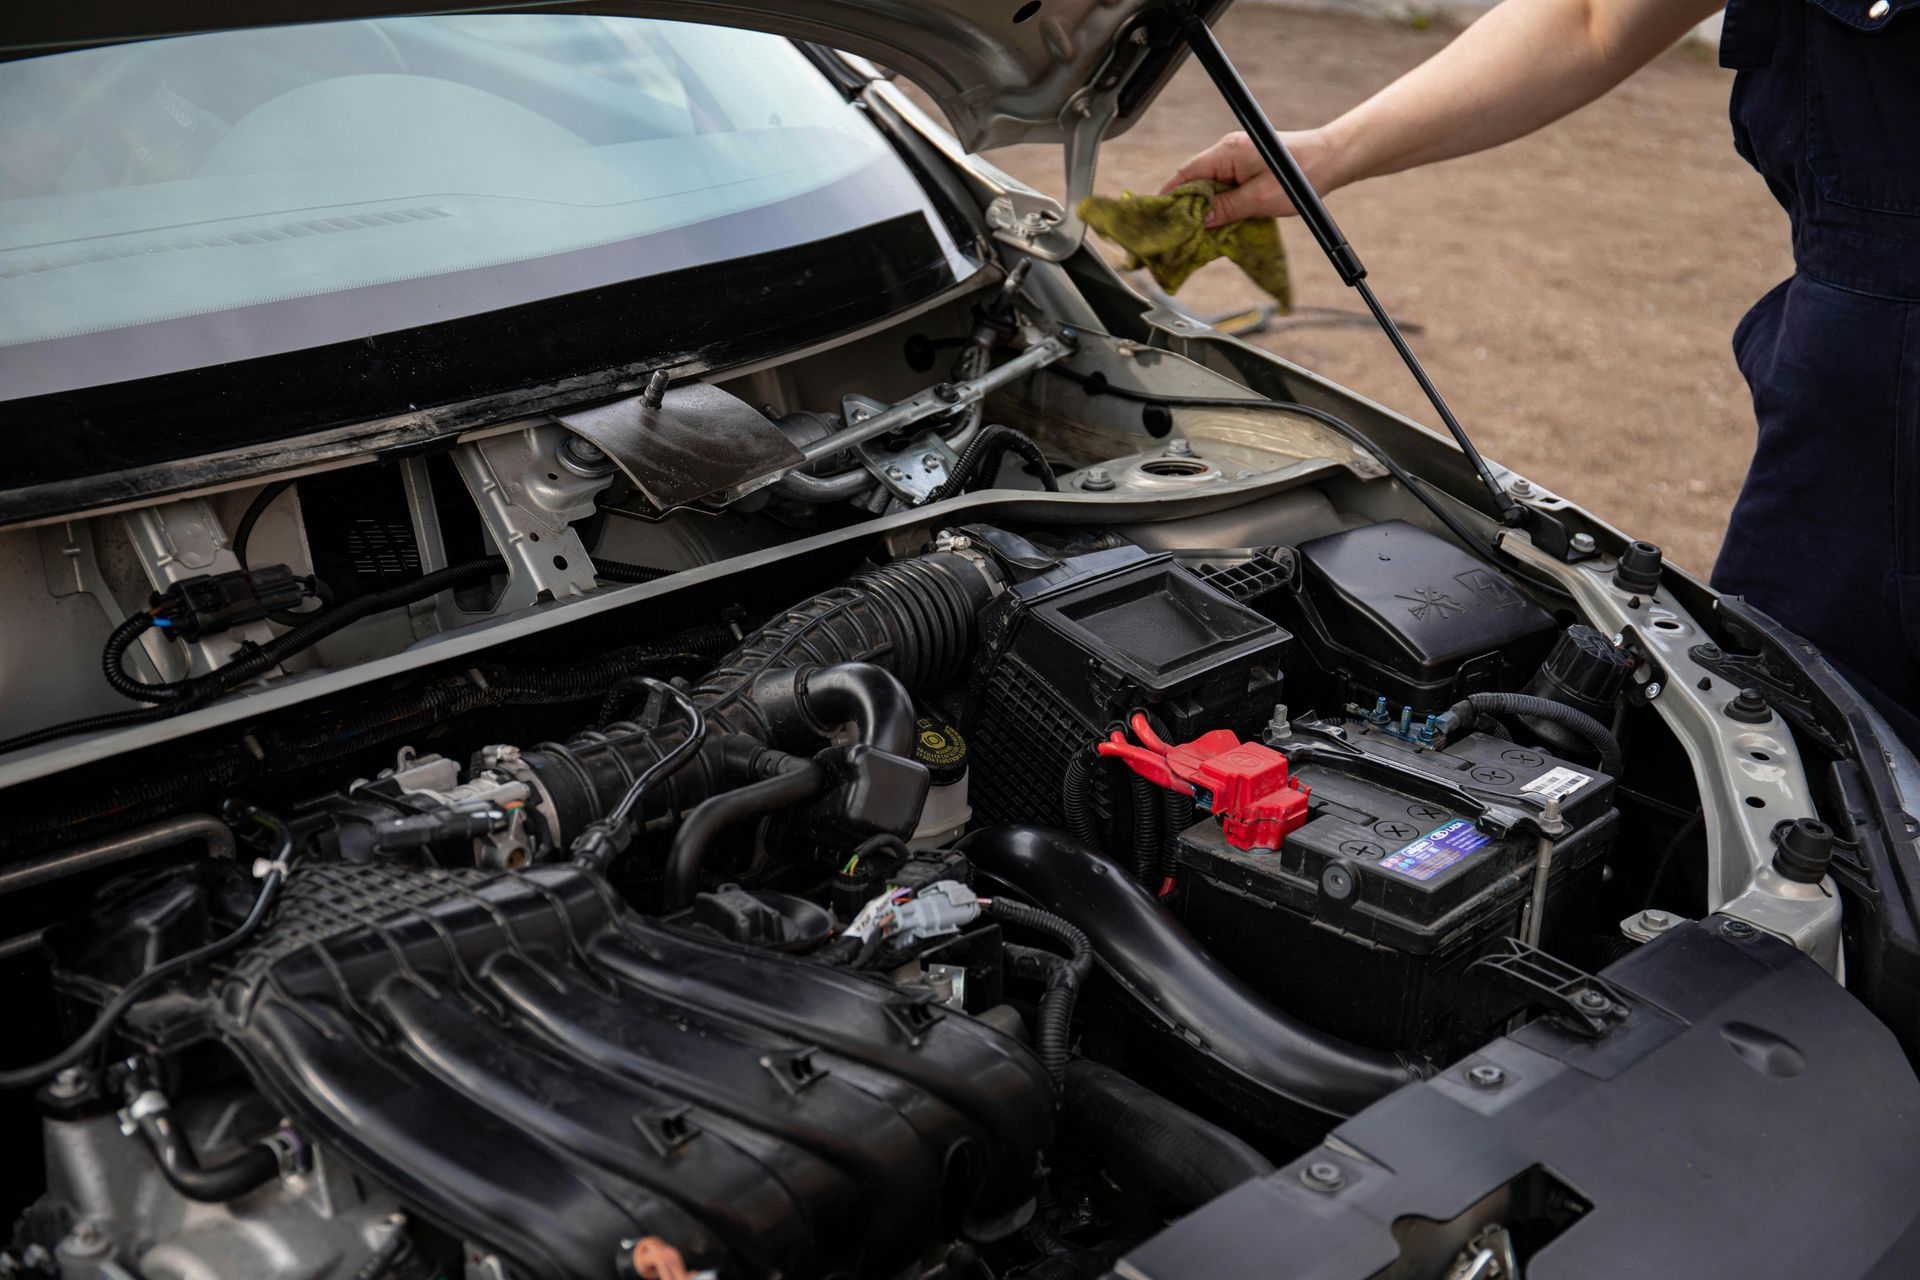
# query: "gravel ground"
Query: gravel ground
{"points": [[1576, 290]]}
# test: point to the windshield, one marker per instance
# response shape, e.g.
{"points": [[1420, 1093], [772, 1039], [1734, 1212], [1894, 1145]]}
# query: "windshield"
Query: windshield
{"points": [[176, 204]]}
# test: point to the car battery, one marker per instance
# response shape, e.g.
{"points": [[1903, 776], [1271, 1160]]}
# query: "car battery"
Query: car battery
{"points": [[1412, 863]]}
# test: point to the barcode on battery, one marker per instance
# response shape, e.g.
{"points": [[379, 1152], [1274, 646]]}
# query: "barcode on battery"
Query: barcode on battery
{"points": [[1557, 784]]}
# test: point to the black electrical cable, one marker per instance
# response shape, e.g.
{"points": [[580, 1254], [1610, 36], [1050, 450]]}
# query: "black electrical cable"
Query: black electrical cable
{"points": [[1096, 384], [259, 659], [600, 841], [1145, 799], [1597, 735], [981, 458], [22, 1077], [1051, 1032], [243, 532], [1076, 799]]}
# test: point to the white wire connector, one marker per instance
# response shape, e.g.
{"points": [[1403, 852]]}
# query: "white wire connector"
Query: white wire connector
{"points": [[940, 908]]}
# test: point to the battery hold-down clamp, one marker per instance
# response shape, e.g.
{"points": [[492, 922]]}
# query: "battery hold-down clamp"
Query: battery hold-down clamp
{"points": [[1247, 785]]}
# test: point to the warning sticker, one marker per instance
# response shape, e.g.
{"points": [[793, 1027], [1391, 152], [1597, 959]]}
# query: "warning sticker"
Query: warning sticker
{"points": [[1434, 852], [1557, 784]]}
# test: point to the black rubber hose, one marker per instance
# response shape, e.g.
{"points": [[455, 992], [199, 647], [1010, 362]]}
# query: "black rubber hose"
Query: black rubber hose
{"points": [[1595, 734], [209, 1184], [800, 706], [981, 458], [1174, 983], [730, 808], [1053, 1029], [1145, 804], [1076, 799], [1189, 1160]]}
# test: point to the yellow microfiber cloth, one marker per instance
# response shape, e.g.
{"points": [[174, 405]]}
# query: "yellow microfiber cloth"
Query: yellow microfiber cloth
{"points": [[1168, 235]]}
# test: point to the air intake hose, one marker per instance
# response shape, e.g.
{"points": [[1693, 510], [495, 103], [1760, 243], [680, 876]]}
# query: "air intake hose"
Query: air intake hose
{"points": [[1176, 984], [853, 654]]}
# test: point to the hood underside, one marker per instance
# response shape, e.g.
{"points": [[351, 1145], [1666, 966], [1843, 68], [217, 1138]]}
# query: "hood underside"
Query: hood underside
{"points": [[1002, 71]]}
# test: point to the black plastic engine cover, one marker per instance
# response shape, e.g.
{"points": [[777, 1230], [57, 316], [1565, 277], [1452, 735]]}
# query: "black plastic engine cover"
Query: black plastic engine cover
{"points": [[536, 1068], [1748, 1117]]}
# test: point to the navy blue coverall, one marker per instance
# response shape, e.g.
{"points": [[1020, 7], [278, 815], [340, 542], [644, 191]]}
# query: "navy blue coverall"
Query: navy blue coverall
{"points": [[1826, 534]]}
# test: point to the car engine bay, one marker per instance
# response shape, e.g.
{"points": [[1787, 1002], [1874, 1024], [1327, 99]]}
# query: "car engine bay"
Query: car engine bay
{"points": [[646, 842]]}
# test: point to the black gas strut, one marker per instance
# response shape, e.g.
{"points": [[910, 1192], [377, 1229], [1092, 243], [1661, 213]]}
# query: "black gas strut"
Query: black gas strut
{"points": [[1353, 273]]}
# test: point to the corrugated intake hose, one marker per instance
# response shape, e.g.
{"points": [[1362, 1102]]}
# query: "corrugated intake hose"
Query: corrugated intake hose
{"points": [[1176, 984], [1596, 735], [1185, 1158], [850, 655]]}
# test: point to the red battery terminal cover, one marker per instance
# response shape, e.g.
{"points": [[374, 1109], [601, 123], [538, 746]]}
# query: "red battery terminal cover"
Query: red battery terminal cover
{"points": [[1247, 785]]}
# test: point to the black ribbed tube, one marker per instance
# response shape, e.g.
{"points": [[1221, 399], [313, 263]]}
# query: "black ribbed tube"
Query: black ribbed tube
{"points": [[1598, 736], [1176, 815], [1142, 1135], [1146, 851], [1076, 799]]}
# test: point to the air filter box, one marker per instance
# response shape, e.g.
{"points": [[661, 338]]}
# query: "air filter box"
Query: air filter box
{"points": [[1074, 648], [1412, 864], [1389, 610]]}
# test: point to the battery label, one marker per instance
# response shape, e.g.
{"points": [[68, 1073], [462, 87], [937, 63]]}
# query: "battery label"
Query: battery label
{"points": [[1434, 852], [1558, 784]]}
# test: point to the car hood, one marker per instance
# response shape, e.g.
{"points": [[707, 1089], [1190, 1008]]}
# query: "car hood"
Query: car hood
{"points": [[1002, 71]]}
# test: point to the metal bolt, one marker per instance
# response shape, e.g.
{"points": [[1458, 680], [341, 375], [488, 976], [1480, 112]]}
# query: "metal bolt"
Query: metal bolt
{"points": [[1595, 1001], [1520, 487], [583, 457], [1323, 1175], [70, 1083], [895, 473], [1653, 689], [1140, 35], [1096, 479], [861, 415], [1583, 544], [1486, 1076], [1736, 929], [946, 391], [1655, 921], [656, 391], [1879, 9], [932, 461], [1180, 448]]}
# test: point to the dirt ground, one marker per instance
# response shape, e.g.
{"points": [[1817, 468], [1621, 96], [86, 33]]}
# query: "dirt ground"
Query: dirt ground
{"points": [[1576, 290]]}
